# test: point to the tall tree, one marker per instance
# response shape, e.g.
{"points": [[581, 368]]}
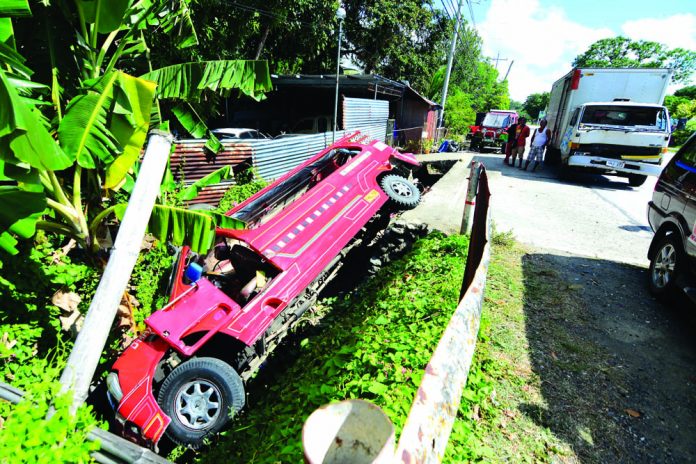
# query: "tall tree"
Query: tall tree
{"points": [[399, 39], [535, 103], [621, 52]]}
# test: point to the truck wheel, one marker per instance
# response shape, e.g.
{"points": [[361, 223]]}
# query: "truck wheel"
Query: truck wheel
{"points": [[636, 180], [665, 265], [400, 191], [198, 396], [553, 156]]}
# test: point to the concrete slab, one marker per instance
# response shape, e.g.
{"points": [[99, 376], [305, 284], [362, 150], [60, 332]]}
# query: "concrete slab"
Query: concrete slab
{"points": [[442, 207]]}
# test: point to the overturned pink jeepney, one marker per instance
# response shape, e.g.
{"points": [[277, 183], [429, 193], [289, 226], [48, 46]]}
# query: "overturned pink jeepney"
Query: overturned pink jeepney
{"points": [[228, 310]]}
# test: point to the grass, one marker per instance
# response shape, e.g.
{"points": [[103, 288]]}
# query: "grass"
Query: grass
{"points": [[373, 344], [533, 393], [550, 403]]}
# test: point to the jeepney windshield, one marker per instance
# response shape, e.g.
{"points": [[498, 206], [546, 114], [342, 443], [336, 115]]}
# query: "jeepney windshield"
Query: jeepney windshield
{"points": [[496, 120], [640, 117]]}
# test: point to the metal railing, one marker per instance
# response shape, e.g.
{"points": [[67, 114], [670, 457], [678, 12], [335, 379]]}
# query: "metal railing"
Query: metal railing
{"points": [[429, 424]]}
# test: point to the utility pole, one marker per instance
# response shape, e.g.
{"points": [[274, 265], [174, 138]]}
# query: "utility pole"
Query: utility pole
{"points": [[450, 59], [508, 71], [498, 58]]}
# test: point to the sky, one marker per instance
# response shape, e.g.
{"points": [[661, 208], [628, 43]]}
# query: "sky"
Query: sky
{"points": [[544, 36]]}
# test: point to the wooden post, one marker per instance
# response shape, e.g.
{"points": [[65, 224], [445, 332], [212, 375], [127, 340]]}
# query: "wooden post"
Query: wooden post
{"points": [[90, 342], [472, 188]]}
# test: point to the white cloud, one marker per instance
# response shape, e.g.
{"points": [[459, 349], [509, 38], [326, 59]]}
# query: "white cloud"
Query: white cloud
{"points": [[542, 41], [674, 31]]}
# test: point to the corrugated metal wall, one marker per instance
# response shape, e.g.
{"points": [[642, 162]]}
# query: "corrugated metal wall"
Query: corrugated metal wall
{"points": [[361, 112], [274, 157]]}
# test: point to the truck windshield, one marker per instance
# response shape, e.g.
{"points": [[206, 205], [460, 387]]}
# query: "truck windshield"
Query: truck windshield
{"points": [[638, 116], [496, 120]]}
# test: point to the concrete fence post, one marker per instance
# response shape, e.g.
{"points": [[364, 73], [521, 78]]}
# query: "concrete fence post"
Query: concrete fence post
{"points": [[90, 342]]}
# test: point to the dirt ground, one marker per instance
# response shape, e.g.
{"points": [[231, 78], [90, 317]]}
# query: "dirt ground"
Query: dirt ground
{"points": [[617, 368]]}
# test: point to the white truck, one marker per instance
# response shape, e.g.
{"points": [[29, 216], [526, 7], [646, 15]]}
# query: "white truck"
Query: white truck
{"points": [[610, 121]]}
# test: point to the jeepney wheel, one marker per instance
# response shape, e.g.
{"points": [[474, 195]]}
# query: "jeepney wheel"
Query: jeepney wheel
{"points": [[402, 192], [636, 180], [200, 396]]}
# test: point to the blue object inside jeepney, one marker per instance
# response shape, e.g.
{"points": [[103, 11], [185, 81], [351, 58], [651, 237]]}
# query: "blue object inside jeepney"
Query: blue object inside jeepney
{"points": [[194, 272]]}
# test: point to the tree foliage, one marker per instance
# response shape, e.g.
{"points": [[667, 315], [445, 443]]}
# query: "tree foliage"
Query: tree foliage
{"points": [[474, 83], [621, 52], [100, 113], [687, 92], [399, 39], [535, 103]]}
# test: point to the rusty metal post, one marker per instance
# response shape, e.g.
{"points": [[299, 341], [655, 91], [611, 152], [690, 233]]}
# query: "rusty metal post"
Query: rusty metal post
{"points": [[470, 203]]}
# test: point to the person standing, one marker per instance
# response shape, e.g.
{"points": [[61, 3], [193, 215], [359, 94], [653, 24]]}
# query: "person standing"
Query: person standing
{"points": [[510, 143], [520, 139], [540, 139]]}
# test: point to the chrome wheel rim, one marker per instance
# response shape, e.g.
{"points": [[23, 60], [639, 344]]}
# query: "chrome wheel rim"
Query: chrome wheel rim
{"points": [[665, 264], [198, 404], [401, 189]]}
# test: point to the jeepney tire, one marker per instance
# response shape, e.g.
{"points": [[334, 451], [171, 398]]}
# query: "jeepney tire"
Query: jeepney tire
{"points": [[665, 266], [200, 396], [401, 191], [636, 180]]}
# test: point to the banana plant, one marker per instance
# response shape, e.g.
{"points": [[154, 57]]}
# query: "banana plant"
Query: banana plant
{"points": [[65, 144]]}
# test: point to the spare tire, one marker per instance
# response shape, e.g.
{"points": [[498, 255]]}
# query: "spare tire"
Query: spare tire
{"points": [[401, 191]]}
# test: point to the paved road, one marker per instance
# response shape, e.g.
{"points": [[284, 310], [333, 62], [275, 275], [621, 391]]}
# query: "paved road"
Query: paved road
{"points": [[591, 215]]}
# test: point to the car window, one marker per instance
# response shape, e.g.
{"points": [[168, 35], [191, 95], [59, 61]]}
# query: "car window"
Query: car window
{"points": [[246, 135], [574, 119], [625, 116], [687, 154]]}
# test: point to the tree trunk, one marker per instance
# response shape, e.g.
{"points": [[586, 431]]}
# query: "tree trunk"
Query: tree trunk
{"points": [[263, 41]]}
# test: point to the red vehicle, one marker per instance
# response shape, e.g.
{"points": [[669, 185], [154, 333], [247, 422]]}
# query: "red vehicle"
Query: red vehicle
{"points": [[229, 309], [491, 132]]}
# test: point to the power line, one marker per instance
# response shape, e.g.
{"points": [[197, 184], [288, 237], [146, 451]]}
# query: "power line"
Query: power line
{"points": [[471, 13], [269, 14]]}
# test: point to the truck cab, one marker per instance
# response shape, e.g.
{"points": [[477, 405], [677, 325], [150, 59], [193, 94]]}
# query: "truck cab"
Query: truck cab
{"points": [[618, 137], [610, 121]]}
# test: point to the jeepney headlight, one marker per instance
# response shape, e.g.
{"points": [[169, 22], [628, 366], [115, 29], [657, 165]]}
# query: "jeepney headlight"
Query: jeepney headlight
{"points": [[114, 387]]}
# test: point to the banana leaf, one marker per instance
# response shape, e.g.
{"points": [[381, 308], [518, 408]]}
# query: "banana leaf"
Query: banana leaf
{"points": [[129, 124], [84, 132], [185, 227], [14, 8], [186, 114], [18, 215], [106, 15], [189, 120], [108, 123], [215, 177], [188, 81], [23, 136]]}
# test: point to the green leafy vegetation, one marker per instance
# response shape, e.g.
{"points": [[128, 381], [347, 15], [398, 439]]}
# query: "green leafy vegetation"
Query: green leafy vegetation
{"points": [[621, 52], [26, 435], [246, 184], [372, 344], [535, 103]]}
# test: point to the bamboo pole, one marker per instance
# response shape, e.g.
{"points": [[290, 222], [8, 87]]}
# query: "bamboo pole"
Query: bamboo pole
{"points": [[90, 342]]}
